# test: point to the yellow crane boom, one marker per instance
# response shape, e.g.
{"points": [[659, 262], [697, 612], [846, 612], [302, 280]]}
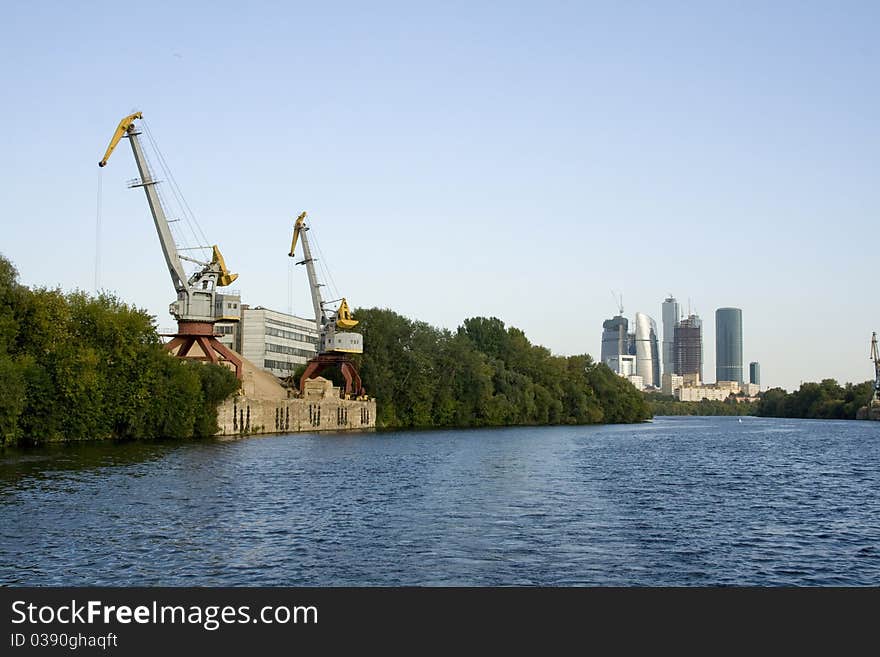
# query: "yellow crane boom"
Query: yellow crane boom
{"points": [[119, 134], [297, 227]]}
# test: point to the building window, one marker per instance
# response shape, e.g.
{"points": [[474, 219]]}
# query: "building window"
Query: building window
{"points": [[293, 351]]}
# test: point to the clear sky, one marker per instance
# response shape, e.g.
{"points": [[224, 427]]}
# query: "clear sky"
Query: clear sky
{"points": [[471, 158]]}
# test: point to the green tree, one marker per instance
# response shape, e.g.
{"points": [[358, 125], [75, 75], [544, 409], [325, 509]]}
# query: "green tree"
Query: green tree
{"points": [[77, 367]]}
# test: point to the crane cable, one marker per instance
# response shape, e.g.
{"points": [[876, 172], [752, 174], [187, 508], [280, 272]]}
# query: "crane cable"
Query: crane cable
{"points": [[185, 211], [200, 240], [290, 266], [325, 269], [98, 210]]}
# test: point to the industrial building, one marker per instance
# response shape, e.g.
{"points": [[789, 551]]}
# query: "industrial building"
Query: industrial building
{"points": [[228, 324], [276, 341], [728, 345]]}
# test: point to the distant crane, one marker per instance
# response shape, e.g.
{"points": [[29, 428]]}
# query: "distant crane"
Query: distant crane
{"points": [[334, 346], [198, 305], [618, 299], [875, 356]]}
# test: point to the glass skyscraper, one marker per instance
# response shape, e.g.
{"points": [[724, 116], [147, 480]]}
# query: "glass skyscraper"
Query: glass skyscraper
{"points": [[755, 373], [670, 312], [728, 345]]}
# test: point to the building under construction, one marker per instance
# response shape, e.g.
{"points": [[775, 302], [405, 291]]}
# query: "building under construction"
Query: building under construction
{"points": [[688, 348], [257, 344]]}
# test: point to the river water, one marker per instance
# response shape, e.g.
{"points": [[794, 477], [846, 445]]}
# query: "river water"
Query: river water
{"points": [[679, 501]]}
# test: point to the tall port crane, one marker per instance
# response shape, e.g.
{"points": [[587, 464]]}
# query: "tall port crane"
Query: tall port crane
{"points": [[875, 356], [335, 342], [199, 305]]}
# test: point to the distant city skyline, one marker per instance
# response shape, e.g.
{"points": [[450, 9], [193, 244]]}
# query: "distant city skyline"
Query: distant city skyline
{"points": [[466, 159], [684, 353]]}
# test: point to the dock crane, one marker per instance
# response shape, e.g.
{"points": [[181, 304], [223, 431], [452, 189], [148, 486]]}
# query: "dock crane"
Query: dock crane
{"points": [[199, 305], [335, 342], [875, 356]]}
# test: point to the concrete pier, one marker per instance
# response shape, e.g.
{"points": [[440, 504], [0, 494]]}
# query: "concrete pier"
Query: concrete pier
{"points": [[264, 406], [320, 409]]}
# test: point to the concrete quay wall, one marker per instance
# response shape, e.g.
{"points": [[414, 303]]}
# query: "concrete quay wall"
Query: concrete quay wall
{"points": [[320, 409]]}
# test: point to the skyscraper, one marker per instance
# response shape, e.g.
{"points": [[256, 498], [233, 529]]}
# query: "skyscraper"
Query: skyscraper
{"points": [[755, 373], [688, 346], [669, 315], [728, 345], [647, 350], [615, 340]]}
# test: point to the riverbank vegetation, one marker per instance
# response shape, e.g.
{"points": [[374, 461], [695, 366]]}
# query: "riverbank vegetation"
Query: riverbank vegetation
{"points": [[483, 374], [78, 367], [827, 400], [669, 405]]}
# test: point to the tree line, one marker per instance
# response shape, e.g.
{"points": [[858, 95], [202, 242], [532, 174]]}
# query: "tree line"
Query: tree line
{"points": [[78, 367], [827, 400], [483, 374]]}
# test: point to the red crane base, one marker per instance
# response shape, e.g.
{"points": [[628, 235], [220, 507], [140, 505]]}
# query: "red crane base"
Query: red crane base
{"points": [[318, 364], [202, 334]]}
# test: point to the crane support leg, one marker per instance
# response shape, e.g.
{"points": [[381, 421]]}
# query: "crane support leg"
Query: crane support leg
{"points": [[318, 364], [190, 334], [352, 379]]}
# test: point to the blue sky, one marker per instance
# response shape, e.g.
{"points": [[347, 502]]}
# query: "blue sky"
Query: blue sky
{"points": [[458, 159]]}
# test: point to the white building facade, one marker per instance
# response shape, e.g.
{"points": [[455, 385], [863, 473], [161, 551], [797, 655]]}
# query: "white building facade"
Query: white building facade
{"points": [[647, 350], [276, 341]]}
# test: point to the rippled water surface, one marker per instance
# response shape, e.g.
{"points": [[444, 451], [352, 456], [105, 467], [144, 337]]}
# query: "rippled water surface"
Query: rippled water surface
{"points": [[680, 501]]}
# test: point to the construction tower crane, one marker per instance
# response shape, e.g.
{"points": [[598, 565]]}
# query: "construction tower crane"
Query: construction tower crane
{"points": [[199, 305], [335, 342], [875, 356], [618, 299]]}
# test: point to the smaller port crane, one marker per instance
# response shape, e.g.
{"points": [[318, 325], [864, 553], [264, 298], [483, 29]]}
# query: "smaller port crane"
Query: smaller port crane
{"points": [[336, 342]]}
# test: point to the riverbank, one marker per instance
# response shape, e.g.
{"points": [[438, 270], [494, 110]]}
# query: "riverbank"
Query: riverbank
{"points": [[826, 400], [663, 405]]}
